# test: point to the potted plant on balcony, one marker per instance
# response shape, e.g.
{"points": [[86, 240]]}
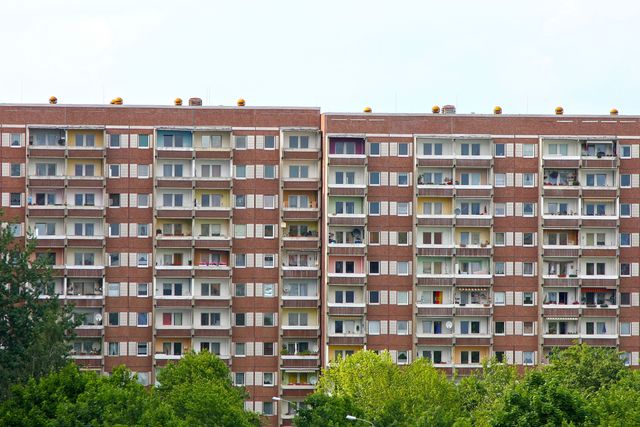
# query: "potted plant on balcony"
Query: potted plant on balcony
{"points": [[284, 351]]}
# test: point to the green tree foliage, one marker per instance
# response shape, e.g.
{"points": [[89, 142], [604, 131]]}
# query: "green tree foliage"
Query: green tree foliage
{"points": [[199, 390], [34, 325], [582, 386], [70, 397], [382, 393]]}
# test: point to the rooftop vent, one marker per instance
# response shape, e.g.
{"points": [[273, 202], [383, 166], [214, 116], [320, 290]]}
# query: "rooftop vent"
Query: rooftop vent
{"points": [[177, 102], [614, 112], [195, 102], [240, 102], [435, 109], [53, 100], [559, 111], [367, 109], [497, 109], [116, 101], [448, 109]]}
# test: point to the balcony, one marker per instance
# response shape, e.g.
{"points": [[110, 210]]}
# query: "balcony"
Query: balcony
{"points": [[223, 183], [436, 220], [560, 221], [561, 311], [474, 191], [355, 220], [299, 361], [300, 331], [347, 160], [305, 184], [424, 250], [607, 282], [296, 214], [474, 251], [571, 251], [346, 309], [599, 221], [435, 190], [435, 161], [310, 272], [561, 280], [299, 301], [599, 251], [435, 310], [347, 190], [473, 220], [301, 243], [347, 278], [346, 339], [473, 280], [600, 192], [568, 162], [473, 310], [174, 182], [561, 191], [347, 249], [435, 279]]}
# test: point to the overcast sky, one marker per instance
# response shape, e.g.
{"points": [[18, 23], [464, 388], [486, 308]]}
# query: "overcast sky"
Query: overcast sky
{"points": [[395, 56]]}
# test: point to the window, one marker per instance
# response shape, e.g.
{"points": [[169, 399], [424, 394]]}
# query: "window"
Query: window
{"points": [[374, 178], [84, 170], [527, 357], [113, 289], [528, 209], [499, 268], [45, 169], [143, 289], [625, 328], [403, 179], [527, 298], [528, 179], [498, 298], [15, 139], [114, 319], [143, 319], [238, 378], [269, 142], [48, 229], [500, 180], [499, 328], [403, 238], [374, 327], [527, 269], [143, 349], [403, 149], [241, 289], [114, 349], [298, 171], [374, 149], [241, 200], [114, 141], [114, 230], [625, 151], [403, 208], [625, 269], [143, 260], [467, 357], [143, 230], [374, 208], [625, 180], [269, 261], [527, 239], [268, 319], [403, 297], [114, 200], [85, 140], [15, 199], [596, 180], [499, 150], [528, 150], [403, 327], [625, 210], [559, 149], [267, 408], [15, 169], [240, 142], [403, 268], [269, 171], [241, 260], [298, 319], [143, 141], [527, 328], [268, 290], [241, 171], [143, 200], [374, 297], [432, 149], [499, 239], [240, 319], [500, 209], [470, 149], [240, 349], [625, 239], [299, 142], [269, 202]]}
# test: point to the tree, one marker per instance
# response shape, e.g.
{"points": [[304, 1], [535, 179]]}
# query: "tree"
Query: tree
{"points": [[34, 331], [586, 368], [618, 404], [322, 410], [372, 387], [199, 390]]}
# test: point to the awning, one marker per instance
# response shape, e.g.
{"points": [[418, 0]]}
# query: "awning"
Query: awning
{"points": [[595, 289], [561, 318], [473, 289]]}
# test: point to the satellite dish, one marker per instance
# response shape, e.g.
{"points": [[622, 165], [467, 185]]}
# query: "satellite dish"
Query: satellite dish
{"points": [[98, 317], [457, 211], [355, 232], [313, 380], [449, 325], [315, 349]]}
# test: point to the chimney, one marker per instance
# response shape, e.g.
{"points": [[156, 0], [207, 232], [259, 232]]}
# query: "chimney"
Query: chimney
{"points": [[195, 102], [448, 109]]}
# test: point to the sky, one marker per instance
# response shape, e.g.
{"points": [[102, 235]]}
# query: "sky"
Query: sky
{"points": [[394, 55]]}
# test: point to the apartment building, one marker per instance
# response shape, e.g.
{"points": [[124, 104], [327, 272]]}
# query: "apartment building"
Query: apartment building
{"points": [[459, 237], [178, 228], [281, 239]]}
